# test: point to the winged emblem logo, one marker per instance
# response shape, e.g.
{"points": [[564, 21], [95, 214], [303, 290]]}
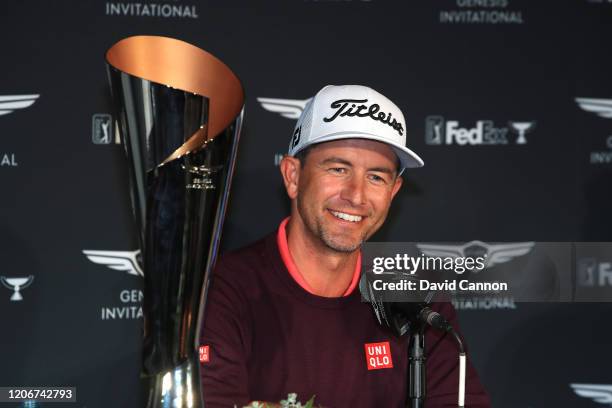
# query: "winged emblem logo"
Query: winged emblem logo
{"points": [[287, 108], [118, 260], [601, 107], [601, 393], [495, 253], [10, 103]]}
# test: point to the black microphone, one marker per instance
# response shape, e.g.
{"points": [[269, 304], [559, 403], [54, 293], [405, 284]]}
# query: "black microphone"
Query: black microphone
{"points": [[435, 319], [419, 313], [400, 317]]}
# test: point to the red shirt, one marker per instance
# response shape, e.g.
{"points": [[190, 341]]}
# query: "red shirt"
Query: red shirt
{"points": [[283, 248], [268, 336]]}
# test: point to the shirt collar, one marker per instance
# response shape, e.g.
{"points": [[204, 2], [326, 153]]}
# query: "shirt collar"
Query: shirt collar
{"points": [[283, 247]]}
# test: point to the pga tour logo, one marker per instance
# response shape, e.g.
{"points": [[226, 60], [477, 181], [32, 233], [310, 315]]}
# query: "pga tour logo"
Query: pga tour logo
{"points": [[439, 131], [102, 130], [378, 355], [592, 273]]}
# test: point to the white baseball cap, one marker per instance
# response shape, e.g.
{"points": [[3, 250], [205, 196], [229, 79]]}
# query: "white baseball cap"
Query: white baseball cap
{"points": [[353, 111]]}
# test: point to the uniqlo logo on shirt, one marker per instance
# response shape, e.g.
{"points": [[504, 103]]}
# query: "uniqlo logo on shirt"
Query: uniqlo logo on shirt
{"points": [[378, 355], [204, 354]]}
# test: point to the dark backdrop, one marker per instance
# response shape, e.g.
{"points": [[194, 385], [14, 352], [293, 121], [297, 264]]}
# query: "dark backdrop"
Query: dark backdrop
{"points": [[482, 64]]}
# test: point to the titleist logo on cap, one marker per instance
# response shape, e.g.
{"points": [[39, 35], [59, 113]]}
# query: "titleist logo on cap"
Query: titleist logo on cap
{"points": [[359, 108]]}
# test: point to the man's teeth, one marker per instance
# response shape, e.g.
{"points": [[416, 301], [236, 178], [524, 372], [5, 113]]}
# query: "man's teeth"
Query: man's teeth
{"points": [[347, 217]]}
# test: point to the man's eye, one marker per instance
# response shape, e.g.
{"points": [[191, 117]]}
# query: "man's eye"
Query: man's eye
{"points": [[338, 170], [378, 179]]}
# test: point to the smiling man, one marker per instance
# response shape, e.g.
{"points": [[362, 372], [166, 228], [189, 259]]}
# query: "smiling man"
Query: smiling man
{"points": [[284, 315]]}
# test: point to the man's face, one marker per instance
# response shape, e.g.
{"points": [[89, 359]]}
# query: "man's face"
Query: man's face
{"points": [[344, 190]]}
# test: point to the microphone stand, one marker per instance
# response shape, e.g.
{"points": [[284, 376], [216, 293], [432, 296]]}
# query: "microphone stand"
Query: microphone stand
{"points": [[416, 385], [416, 368]]}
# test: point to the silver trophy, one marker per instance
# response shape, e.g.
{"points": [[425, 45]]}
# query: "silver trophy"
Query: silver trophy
{"points": [[179, 113]]}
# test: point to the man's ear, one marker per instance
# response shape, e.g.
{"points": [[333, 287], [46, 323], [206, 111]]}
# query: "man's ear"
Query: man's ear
{"points": [[290, 170], [396, 187]]}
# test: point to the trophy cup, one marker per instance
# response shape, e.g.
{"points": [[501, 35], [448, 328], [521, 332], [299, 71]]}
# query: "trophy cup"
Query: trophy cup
{"points": [[16, 284], [521, 128], [179, 113]]}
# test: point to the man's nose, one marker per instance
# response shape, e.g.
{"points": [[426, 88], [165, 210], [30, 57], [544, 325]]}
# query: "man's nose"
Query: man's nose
{"points": [[354, 190]]}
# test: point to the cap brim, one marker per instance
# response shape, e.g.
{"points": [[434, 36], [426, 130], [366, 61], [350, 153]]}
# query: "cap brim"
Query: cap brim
{"points": [[408, 158]]}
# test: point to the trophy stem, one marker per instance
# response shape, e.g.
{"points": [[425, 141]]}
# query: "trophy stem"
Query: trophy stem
{"points": [[178, 387]]}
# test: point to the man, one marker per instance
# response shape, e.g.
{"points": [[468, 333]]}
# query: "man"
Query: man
{"points": [[284, 315]]}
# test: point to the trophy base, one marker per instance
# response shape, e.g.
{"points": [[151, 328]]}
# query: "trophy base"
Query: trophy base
{"points": [[176, 388]]}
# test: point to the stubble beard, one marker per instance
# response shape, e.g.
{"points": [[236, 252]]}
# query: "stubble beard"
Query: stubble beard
{"points": [[331, 242], [319, 229]]}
